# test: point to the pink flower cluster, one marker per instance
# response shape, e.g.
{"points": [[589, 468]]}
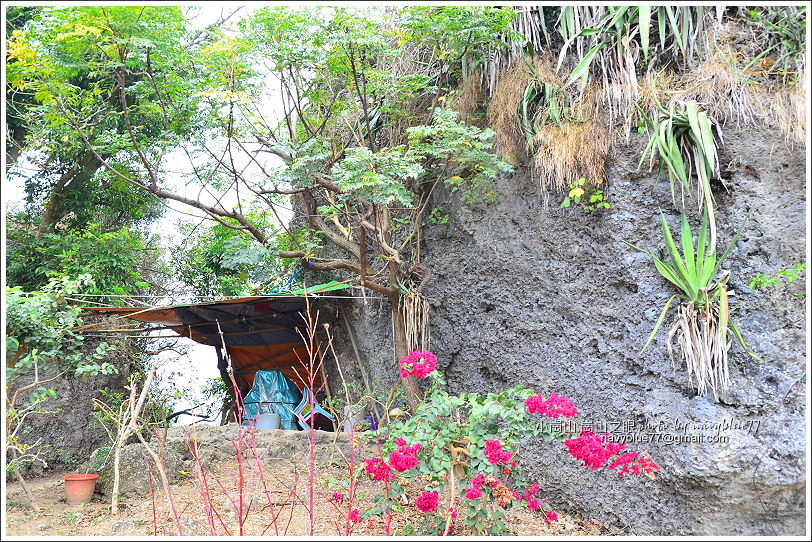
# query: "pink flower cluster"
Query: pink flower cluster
{"points": [[419, 363], [475, 491], [596, 450], [378, 469], [553, 407], [494, 453], [338, 497], [354, 516], [400, 460], [428, 501], [634, 463]]}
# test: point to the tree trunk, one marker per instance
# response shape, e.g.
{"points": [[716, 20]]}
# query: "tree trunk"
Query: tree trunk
{"points": [[116, 477], [17, 143], [413, 394], [32, 501]]}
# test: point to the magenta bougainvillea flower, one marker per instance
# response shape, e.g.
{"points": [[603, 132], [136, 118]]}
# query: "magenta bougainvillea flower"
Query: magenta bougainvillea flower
{"points": [[400, 460], [495, 454], [419, 363], [555, 406], [596, 450], [428, 501], [473, 493], [378, 469]]}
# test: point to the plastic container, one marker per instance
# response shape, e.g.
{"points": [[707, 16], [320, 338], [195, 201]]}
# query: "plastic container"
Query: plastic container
{"points": [[358, 415], [268, 421], [79, 488]]}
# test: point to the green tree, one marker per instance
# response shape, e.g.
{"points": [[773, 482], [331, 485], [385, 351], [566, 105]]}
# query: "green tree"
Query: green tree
{"points": [[358, 141]]}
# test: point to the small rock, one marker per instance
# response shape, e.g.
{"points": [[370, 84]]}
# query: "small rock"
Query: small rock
{"points": [[121, 526], [193, 528]]}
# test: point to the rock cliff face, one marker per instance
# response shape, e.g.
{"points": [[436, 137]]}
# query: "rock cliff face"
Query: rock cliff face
{"points": [[66, 428], [551, 298]]}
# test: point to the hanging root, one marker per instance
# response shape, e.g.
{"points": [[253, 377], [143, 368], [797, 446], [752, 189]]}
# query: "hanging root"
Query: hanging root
{"points": [[416, 317], [704, 345]]}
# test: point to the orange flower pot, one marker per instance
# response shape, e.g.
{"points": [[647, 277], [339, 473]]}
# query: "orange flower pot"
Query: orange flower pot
{"points": [[79, 488]]}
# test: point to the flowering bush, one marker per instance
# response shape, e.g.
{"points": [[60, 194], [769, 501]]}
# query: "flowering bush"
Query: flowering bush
{"points": [[596, 450], [464, 456]]}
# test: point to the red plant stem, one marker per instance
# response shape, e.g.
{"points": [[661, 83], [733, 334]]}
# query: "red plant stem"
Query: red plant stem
{"points": [[351, 489], [203, 485], [315, 360], [388, 525], [258, 462], [152, 495]]}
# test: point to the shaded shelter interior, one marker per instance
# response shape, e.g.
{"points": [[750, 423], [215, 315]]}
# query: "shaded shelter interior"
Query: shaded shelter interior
{"points": [[257, 333]]}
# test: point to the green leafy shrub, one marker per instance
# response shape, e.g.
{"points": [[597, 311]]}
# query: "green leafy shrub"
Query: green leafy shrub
{"points": [[589, 196], [457, 456], [768, 280]]}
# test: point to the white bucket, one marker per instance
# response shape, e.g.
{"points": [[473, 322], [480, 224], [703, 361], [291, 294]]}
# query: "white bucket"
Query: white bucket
{"points": [[268, 421]]}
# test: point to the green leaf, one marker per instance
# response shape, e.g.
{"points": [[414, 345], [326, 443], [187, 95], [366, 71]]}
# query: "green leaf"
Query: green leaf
{"points": [[659, 322], [740, 339], [581, 71], [644, 15]]}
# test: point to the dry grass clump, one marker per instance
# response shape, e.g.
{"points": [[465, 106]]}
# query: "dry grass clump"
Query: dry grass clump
{"points": [[723, 83], [468, 97], [503, 114], [734, 84], [575, 149], [786, 107], [564, 141]]}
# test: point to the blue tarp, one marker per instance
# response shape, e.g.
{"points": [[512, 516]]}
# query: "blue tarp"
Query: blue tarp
{"points": [[273, 392]]}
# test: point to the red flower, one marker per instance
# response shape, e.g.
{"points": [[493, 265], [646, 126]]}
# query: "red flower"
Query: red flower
{"points": [[554, 407], [550, 517], [378, 469], [354, 516], [494, 453], [534, 504], [338, 497], [427, 501], [595, 450], [533, 489], [402, 462], [418, 363], [590, 448], [473, 493]]}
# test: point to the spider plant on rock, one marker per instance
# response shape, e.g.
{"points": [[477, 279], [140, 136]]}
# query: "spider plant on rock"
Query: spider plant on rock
{"points": [[702, 330], [684, 141]]}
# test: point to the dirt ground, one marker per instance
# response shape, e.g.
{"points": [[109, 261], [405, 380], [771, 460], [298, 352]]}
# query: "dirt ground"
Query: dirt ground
{"points": [[288, 490]]}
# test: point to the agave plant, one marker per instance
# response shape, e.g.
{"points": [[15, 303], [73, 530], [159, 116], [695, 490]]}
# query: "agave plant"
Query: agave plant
{"points": [[703, 312], [684, 142]]}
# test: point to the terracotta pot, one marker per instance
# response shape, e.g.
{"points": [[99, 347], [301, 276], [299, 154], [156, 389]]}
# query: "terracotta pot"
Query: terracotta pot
{"points": [[79, 488]]}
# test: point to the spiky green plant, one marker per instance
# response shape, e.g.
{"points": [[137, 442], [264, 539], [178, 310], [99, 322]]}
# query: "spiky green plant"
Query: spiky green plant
{"points": [[615, 35], [703, 312], [684, 141]]}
